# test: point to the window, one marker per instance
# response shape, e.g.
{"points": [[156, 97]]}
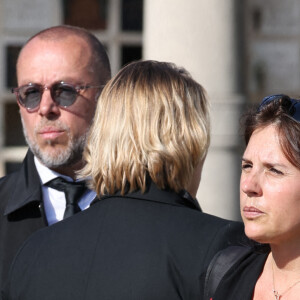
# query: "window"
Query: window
{"points": [[131, 53], [90, 14], [13, 134], [257, 19], [117, 23], [12, 52], [132, 15]]}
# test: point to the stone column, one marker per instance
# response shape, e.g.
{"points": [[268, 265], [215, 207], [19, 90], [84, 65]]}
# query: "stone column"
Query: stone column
{"points": [[201, 36]]}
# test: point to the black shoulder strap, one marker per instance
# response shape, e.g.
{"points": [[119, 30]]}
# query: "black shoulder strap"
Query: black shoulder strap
{"points": [[218, 267]]}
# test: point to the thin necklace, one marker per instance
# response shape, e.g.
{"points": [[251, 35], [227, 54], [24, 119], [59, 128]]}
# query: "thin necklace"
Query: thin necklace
{"points": [[275, 292]]}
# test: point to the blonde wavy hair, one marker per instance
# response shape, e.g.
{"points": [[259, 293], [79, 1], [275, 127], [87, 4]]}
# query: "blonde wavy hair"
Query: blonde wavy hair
{"points": [[152, 119]]}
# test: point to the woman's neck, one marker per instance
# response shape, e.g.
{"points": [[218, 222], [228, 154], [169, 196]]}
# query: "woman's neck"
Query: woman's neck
{"points": [[284, 264], [286, 256], [281, 273]]}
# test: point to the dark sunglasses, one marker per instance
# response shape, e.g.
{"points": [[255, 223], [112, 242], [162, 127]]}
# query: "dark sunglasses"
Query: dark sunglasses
{"points": [[63, 94], [293, 104]]}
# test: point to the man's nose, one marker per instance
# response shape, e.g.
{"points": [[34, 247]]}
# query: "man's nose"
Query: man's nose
{"points": [[48, 105]]}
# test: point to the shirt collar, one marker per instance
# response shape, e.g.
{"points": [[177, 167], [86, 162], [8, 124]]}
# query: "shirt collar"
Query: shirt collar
{"points": [[46, 174]]}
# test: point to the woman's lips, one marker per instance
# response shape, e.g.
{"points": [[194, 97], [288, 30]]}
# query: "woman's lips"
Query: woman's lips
{"points": [[251, 212]]}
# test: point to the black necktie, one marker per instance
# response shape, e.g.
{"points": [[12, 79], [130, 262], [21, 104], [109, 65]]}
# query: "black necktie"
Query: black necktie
{"points": [[73, 192]]}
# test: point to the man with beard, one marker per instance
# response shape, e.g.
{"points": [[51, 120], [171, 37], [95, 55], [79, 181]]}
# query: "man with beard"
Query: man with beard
{"points": [[61, 72]]}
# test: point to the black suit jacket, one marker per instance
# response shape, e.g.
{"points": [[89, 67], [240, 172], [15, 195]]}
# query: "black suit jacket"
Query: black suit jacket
{"points": [[141, 246], [20, 211]]}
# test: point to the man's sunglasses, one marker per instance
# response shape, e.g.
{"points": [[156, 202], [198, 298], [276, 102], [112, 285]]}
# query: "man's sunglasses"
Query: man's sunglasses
{"points": [[293, 105], [63, 94]]}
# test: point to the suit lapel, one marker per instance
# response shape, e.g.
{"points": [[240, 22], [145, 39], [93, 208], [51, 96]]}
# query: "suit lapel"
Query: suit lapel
{"points": [[27, 186]]}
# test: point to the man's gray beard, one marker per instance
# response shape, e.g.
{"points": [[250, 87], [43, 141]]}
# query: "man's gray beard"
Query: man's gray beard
{"points": [[62, 157]]}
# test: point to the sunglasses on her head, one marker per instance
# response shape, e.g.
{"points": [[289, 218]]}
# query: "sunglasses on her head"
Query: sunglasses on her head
{"points": [[63, 94], [293, 105]]}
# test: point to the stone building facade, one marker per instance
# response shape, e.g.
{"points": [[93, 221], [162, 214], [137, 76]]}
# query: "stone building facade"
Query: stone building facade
{"points": [[239, 50]]}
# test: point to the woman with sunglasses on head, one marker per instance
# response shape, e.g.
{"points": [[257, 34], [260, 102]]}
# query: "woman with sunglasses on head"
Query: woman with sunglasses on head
{"points": [[270, 209]]}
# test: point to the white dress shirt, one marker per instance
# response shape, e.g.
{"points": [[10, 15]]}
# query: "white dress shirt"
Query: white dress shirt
{"points": [[54, 200]]}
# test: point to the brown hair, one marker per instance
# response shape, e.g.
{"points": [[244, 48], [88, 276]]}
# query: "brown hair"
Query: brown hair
{"points": [[276, 113]]}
